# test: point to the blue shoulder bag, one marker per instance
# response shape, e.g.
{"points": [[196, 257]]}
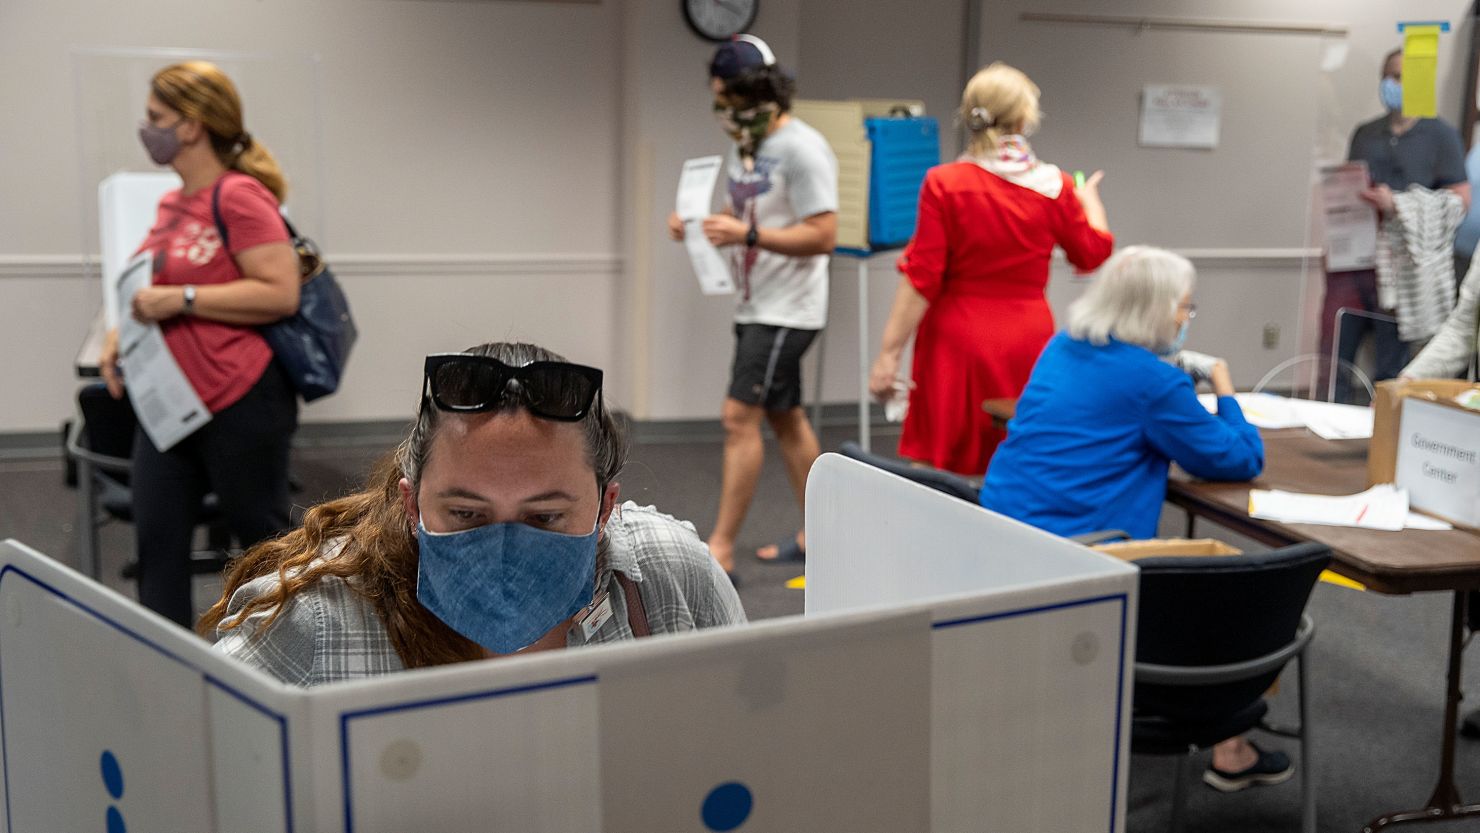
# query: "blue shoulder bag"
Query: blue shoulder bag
{"points": [[313, 344]]}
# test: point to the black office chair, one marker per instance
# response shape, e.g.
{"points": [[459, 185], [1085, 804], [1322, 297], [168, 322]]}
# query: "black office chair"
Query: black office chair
{"points": [[1213, 634], [100, 443], [942, 481]]}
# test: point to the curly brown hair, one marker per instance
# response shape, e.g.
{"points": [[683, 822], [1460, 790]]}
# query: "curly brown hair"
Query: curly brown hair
{"points": [[378, 557]]}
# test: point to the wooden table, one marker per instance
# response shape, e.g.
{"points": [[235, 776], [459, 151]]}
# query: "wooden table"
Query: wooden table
{"points": [[1411, 561]]}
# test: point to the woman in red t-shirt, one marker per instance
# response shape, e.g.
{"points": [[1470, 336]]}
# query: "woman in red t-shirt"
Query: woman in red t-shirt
{"points": [[208, 300], [974, 274]]}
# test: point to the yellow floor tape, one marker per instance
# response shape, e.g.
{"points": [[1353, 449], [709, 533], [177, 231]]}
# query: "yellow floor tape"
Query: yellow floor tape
{"points": [[1340, 580], [798, 583]]}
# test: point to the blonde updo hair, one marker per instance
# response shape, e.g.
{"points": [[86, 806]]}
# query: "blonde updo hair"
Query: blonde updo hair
{"points": [[998, 101], [200, 91]]}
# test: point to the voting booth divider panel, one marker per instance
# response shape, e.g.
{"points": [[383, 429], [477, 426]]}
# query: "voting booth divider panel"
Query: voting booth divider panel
{"points": [[923, 712]]}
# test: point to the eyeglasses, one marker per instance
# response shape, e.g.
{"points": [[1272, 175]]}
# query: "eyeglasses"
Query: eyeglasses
{"points": [[465, 383]]}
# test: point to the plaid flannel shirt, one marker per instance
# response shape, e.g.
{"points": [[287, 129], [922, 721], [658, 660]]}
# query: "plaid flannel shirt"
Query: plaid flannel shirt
{"points": [[328, 632]]}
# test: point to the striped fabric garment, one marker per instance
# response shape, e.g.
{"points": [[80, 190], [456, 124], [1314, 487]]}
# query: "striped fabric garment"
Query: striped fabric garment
{"points": [[1415, 259]]}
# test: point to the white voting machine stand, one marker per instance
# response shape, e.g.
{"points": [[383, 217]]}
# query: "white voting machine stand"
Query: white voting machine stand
{"points": [[956, 711], [127, 205], [1032, 645]]}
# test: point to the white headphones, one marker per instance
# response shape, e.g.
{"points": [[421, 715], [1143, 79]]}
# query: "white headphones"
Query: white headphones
{"points": [[766, 54]]}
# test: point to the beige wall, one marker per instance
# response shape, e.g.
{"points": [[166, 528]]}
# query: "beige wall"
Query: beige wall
{"points": [[502, 170]]}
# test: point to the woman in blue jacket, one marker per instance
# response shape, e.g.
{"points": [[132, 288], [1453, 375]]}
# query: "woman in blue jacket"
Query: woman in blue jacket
{"points": [[1110, 405], [1105, 413]]}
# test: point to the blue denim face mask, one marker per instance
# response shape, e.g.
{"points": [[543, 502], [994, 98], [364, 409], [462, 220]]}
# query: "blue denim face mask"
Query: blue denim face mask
{"points": [[1391, 93], [1177, 343], [505, 585]]}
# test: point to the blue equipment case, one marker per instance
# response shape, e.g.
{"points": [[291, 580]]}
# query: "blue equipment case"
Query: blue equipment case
{"points": [[904, 148]]}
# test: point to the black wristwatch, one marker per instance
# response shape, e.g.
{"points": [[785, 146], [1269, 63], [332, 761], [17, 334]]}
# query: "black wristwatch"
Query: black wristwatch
{"points": [[752, 237]]}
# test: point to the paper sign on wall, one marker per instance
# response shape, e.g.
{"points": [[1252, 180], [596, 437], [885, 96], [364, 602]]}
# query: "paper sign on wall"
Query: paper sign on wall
{"points": [[1420, 70], [1180, 116]]}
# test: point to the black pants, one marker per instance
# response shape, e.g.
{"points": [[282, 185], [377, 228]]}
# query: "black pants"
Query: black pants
{"points": [[242, 456]]}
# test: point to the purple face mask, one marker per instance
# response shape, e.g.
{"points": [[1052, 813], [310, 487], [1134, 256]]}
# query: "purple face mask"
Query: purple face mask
{"points": [[161, 142]]}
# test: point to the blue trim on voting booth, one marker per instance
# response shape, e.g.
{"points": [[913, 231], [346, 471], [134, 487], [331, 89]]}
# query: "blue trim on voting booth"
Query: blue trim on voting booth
{"points": [[1119, 669], [1442, 24], [412, 705], [206, 677]]}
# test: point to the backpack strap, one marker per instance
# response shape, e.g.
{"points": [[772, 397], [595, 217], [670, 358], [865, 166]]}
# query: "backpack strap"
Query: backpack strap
{"points": [[216, 215], [636, 612]]}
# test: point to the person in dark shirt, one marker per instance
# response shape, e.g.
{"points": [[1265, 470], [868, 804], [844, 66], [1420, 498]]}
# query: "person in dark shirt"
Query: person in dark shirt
{"points": [[1400, 152]]}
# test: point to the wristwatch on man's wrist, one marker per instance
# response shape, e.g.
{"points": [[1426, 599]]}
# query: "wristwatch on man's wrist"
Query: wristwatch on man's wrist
{"points": [[189, 307], [752, 237]]}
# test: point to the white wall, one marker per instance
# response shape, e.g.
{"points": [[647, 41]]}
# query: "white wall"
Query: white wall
{"points": [[502, 170]]}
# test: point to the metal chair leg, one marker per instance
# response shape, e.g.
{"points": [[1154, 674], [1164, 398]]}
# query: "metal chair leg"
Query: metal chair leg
{"points": [[1179, 792], [1307, 771], [87, 522]]}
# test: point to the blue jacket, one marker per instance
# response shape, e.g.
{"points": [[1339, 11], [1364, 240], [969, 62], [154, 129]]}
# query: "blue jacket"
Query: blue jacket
{"points": [[1094, 434]]}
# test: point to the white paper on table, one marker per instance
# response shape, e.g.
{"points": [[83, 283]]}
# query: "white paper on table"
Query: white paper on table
{"points": [[168, 408], [1351, 223], [1328, 420], [1417, 521], [1380, 507], [1335, 421], [1261, 410], [696, 187]]}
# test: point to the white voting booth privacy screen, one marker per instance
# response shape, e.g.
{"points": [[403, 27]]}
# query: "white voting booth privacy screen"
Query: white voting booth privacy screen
{"points": [[1032, 644], [919, 713]]}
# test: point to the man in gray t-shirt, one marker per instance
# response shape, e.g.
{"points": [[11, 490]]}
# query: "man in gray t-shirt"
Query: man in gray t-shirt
{"points": [[1400, 151], [779, 225]]}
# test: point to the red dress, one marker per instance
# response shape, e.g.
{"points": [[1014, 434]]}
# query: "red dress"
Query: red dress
{"points": [[980, 258]]}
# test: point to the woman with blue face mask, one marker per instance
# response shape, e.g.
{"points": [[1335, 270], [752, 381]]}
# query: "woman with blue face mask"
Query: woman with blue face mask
{"points": [[1109, 406], [493, 530]]}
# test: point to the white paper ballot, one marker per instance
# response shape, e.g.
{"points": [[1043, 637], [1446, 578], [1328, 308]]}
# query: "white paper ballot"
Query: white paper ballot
{"points": [[709, 264], [696, 187], [695, 195], [1380, 507], [164, 400], [1351, 223]]}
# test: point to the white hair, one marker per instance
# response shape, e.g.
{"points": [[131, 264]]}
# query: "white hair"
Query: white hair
{"points": [[1134, 299]]}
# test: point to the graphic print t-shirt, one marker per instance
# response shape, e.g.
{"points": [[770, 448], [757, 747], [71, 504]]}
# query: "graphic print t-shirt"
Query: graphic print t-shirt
{"points": [[222, 361], [795, 177]]}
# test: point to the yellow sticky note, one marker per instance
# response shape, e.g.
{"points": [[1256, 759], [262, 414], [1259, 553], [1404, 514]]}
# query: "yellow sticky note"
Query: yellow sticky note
{"points": [[1420, 71], [1340, 580]]}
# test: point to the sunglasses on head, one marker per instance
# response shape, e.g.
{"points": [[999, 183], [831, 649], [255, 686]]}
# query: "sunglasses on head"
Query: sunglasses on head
{"points": [[465, 383]]}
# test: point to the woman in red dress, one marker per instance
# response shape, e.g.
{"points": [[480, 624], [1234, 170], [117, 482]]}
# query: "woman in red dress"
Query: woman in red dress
{"points": [[972, 279]]}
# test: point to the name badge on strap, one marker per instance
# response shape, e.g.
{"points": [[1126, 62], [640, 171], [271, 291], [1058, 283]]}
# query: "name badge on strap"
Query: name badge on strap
{"points": [[596, 616]]}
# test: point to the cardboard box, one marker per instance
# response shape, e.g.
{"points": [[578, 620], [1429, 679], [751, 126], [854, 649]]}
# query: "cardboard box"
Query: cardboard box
{"points": [[1161, 547], [1382, 453], [1438, 459], [841, 124]]}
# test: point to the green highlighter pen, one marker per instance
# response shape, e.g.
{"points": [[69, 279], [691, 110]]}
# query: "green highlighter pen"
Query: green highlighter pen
{"points": [[1079, 179]]}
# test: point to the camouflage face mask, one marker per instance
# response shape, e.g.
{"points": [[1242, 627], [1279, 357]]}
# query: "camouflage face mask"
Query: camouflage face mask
{"points": [[747, 126]]}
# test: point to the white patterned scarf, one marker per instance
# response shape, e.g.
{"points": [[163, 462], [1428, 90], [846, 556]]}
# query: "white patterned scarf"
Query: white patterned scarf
{"points": [[1415, 259], [1014, 161]]}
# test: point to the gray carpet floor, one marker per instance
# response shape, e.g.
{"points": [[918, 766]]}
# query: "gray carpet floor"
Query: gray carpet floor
{"points": [[1376, 666]]}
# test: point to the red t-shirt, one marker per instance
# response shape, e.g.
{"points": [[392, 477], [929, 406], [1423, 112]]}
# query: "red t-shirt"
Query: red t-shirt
{"points": [[222, 361]]}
